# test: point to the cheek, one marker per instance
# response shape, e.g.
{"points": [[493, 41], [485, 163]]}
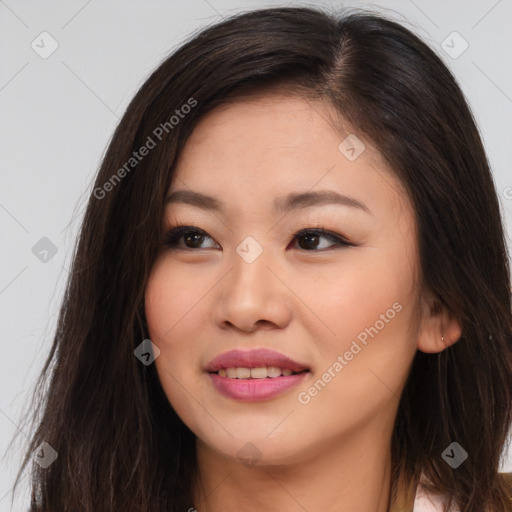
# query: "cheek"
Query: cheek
{"points": [[171, 312], [174, 313], [352, 296], [370, 312], [173, 302]]}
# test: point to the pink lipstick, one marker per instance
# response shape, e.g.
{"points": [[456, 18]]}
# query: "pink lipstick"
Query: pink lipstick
{"points": [[255, 375]]}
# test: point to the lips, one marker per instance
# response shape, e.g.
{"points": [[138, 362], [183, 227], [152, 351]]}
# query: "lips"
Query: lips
{"points": [[255, 375], [256, 358]]}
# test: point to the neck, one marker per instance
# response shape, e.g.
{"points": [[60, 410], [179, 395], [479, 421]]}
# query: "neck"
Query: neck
{"points": [[350, 475]]}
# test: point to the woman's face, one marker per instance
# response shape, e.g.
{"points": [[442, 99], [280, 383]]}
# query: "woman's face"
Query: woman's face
{"points": [[248, 283]]}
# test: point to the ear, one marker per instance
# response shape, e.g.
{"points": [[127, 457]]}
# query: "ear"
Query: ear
{"points": [[437, 322]]}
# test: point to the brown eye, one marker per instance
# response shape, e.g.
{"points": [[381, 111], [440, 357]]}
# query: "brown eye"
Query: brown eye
{"points": [[192, 237], [312, 239], [308, 239]]}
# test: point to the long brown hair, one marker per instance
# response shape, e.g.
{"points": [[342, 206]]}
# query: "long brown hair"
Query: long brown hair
{"points": [[120, 445]]}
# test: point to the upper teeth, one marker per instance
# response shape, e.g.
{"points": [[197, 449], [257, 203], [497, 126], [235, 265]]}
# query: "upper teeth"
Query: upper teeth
{"points": [[254, 373]]}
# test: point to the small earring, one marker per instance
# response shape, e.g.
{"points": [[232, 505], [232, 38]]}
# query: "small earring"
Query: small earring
{"points": [[442, 336]]}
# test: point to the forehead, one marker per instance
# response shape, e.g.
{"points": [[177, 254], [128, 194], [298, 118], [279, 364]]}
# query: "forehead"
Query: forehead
{"points": [[272, 144]]}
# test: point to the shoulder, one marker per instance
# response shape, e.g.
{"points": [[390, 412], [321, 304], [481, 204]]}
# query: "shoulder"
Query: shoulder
{"points": [[507, 479], [427, 502]]}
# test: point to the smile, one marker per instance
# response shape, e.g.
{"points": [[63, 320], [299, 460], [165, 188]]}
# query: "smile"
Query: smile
{"points": [[263, 372], [254, 375]]}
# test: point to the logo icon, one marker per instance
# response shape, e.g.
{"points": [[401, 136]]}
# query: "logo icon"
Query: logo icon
{"points": [[146, 352], [351, 147], [44, 250], [45, 455], [44, 45], [249, 454], [249, 250], [454, 45], [454, 455]]}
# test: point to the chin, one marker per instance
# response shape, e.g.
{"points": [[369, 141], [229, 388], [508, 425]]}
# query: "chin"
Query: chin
{"points": [[254, 447]]}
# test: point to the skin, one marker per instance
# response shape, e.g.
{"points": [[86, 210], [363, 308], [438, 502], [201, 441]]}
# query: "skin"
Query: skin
{"points": [[309, 302]]}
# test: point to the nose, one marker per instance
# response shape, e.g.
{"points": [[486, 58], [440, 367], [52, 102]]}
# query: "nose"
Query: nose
{"points": [[253, 296]]}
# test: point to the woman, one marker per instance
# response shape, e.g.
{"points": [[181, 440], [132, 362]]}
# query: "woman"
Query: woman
{"points": [[291, 287]]}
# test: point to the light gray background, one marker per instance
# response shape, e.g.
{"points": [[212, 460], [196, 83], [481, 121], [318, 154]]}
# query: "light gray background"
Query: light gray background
{"points": [[57, 115]]}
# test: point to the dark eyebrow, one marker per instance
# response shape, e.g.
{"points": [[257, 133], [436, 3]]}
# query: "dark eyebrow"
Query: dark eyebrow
{"points": [[195, 199], [322, 197], [284, 204]]}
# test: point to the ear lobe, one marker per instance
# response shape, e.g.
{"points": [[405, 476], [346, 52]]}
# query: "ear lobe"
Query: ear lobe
{"points": [[439, 328]]}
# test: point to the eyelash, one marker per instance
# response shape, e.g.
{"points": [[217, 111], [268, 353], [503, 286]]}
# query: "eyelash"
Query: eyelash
{"points": [[175, 233]]}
